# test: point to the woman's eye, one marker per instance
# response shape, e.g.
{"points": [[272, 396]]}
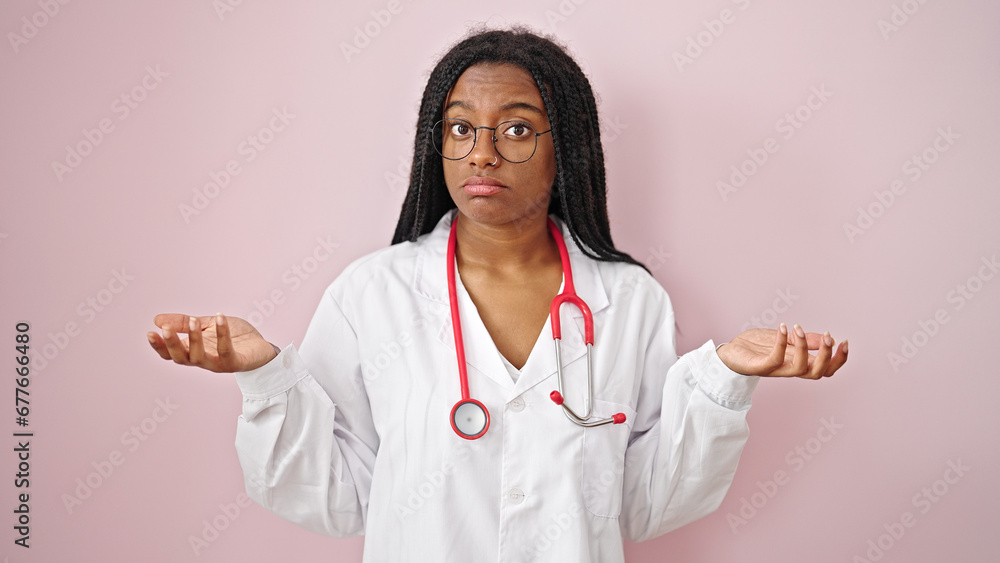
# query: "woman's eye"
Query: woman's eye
{"points": [[460, 129], [518, 130]]}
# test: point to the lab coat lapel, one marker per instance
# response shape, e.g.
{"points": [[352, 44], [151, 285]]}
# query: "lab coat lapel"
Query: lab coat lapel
{"points": [[590, 287], [430, 281], [480, 351]]}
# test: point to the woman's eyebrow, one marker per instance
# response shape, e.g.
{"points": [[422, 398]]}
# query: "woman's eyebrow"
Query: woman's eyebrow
{"points": [[522, 105], [458, 104], [505, 107]]}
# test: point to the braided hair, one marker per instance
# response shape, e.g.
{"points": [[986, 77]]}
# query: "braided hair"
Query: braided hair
{"points": [[579, 194]]}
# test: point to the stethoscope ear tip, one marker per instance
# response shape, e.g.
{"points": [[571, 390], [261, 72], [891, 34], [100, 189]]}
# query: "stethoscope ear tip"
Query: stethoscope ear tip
{"points": [[618, 418], [556, 397]]}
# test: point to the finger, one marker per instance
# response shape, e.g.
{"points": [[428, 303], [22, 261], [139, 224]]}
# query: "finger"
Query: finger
{"points": [[813, 340], [175, 347], [156, 341], [224, 343], [777, 356], [822, 359], [800, 361], [176, 322], [196, 346], [838, 360]]}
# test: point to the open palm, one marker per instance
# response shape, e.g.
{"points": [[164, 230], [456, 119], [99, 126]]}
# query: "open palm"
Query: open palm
{"points": [[778, 353], [216, 343]]}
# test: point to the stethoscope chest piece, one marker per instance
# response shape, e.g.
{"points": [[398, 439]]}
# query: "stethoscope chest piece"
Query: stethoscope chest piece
{"points": [[470, 419]]}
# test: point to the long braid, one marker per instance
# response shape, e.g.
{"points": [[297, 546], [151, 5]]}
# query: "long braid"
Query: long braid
{"points": [[422, 203], [579, 191]]}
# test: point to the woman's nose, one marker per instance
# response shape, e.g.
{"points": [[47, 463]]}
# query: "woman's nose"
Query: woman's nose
{"points": [[484, 153]]}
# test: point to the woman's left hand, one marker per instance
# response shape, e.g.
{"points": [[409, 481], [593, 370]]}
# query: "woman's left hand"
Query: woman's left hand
{"points": [[778, 353]]}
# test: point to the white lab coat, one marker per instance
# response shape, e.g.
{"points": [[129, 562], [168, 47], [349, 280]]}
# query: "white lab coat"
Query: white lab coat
{"points": [[350, 434]]}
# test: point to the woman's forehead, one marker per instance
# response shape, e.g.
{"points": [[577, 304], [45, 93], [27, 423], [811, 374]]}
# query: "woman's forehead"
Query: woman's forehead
{"points": [[492, 86]]}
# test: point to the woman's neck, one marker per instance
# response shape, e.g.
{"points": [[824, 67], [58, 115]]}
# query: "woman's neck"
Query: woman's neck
{"points": [[509, 247]]}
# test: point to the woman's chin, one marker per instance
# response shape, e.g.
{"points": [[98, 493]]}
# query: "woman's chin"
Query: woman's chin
{"points": [[499, 211]]}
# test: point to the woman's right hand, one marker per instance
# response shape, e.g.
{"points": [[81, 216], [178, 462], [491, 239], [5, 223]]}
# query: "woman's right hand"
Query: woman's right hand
{"points": [[218, 343]]}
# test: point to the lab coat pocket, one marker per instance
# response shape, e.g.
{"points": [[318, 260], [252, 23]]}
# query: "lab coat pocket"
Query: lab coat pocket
{"points": [[604, 460]]}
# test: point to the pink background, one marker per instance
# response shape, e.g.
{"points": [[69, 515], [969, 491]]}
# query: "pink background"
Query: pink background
{"points": [[334, 172]]}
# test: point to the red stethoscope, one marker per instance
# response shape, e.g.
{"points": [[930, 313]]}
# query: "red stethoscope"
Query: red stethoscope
{"points": [[469, 417]]}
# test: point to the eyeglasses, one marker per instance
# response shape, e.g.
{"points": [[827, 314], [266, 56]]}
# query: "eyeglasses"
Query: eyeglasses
{"points": [[514, 141]]}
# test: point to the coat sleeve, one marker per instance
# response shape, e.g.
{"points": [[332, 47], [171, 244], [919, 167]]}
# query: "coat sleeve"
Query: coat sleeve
{"points": [[689, 432], [305, 439]]}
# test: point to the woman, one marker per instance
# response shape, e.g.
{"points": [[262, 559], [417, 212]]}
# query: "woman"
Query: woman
{"points": [[351, 433]]}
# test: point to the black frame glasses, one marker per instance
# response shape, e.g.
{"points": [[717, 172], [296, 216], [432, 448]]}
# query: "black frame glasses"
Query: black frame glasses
{"points": [[437, 134]]}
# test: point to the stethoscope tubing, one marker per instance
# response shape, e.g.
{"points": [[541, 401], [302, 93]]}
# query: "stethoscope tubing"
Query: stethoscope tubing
{"points": [[456, 321], [568, 295], [463, 374]]}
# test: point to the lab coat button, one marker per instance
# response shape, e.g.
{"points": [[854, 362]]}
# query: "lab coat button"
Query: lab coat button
{"points": [[515, 496], [517, 405]]}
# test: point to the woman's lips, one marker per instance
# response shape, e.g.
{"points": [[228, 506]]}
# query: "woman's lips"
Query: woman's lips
{"points": [[482, 185], [483, 189]]}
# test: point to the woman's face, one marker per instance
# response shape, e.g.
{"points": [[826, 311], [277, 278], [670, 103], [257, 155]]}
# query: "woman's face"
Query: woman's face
{"points": [[486, 95]]}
